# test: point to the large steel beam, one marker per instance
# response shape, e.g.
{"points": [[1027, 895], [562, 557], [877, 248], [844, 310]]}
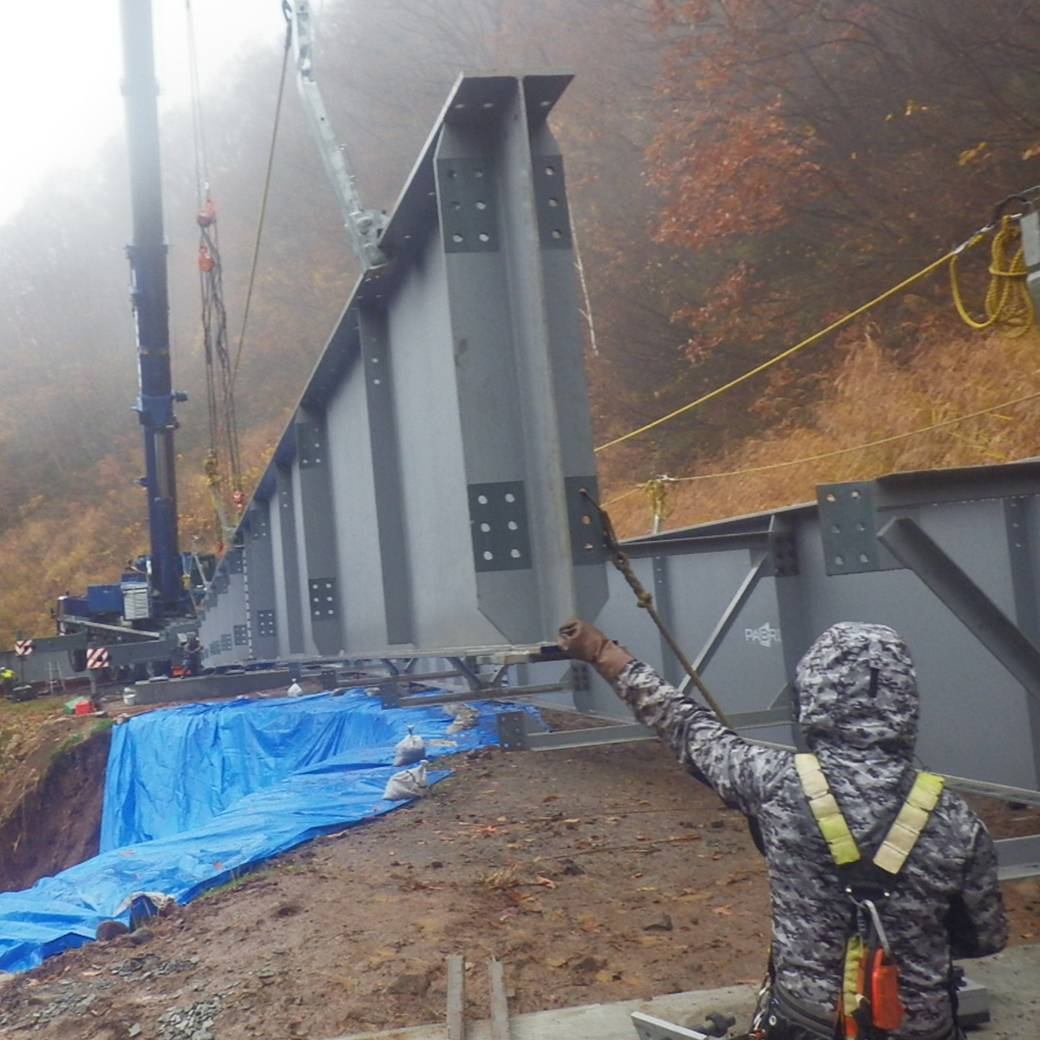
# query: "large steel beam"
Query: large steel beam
{"points": [[433, 488]]}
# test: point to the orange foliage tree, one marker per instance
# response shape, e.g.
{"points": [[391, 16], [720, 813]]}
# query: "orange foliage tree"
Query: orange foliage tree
{"points": [[815, 152]]}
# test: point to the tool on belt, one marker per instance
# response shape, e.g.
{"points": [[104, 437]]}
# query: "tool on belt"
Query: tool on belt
{"points": [[869, 1006]]}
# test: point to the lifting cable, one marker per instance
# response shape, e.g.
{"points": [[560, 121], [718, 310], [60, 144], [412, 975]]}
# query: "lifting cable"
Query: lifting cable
{"points": [[223, 432], [263, 201]]}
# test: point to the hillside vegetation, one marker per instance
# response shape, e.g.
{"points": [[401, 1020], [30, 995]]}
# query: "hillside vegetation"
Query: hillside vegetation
{"points": [[879, 415], [740, 175]]}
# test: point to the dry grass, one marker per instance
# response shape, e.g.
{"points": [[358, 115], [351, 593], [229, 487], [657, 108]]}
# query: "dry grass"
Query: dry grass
{"points": [[952, 374]]}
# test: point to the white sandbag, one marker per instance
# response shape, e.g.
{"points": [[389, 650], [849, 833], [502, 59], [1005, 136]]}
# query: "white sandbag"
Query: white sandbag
{"points": [[409, 749], [295, 690], [409, 783], [465, 717]]}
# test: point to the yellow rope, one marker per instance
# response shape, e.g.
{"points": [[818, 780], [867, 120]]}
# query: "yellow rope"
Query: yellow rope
{"points": [[800, 346], [1007, 298], [845, 451], [624, 494]]}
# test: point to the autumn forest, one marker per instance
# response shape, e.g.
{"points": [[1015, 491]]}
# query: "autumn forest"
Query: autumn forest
{"points": [[742, 174]]}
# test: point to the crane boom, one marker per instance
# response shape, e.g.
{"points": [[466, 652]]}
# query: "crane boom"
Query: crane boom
{"points": [[147, 256], [363, 225]]}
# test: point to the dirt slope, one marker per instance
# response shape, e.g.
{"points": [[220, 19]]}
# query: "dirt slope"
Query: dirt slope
{"points": [[594, 875], [52, 773]]}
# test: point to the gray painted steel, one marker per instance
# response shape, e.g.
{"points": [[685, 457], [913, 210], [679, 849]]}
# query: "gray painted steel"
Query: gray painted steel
{"points": [[948, 558], [428, 492]]}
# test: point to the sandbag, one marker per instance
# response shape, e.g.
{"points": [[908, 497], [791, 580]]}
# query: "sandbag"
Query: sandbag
{"points": [[409, 783], [409, 749]]}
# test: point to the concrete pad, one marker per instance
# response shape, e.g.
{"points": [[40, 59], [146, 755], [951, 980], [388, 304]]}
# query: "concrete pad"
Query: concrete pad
{"points": [[1013, 978]]}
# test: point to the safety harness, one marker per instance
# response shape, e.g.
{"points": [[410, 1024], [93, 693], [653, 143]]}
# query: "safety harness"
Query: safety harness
{"points": [[869, 1006]]}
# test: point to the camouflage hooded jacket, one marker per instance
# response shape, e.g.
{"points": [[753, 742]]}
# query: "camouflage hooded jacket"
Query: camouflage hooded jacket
{"points": [[857, 696]]}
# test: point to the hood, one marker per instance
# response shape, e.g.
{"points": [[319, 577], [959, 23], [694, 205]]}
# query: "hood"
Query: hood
{"points": [[857, 688]]}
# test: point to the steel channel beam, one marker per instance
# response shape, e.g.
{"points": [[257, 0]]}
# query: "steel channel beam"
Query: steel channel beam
{"points": [[792, 603], [629, 732], [580, 738], [915, 549], [970, 484], [1018, 857], [397, 677], [485, 694], [688, 544], [988, 790]]}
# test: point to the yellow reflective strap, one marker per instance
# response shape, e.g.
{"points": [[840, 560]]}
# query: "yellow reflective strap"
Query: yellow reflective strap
{"points": [[912, 818], [814, 783], [825, 809], [852, 984]]}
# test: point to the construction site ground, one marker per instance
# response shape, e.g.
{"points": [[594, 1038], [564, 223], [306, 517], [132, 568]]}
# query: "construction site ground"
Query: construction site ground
{"points": [[596, 876]]}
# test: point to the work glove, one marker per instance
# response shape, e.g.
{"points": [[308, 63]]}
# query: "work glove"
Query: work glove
{"points": [[585, 643]]}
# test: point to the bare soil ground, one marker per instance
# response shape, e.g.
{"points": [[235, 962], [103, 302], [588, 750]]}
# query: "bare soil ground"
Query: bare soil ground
{"points": [[595, 875]]}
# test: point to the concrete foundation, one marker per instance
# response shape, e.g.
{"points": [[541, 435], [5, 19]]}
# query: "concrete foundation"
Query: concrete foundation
{"points": [[1011, 978]]}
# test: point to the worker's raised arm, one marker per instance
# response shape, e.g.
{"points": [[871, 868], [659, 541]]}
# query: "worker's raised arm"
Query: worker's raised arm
{"points": [[739, 771]]}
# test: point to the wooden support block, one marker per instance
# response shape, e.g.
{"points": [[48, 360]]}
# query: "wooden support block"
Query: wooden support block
{"points": [[499, 1004], [456, 997]]}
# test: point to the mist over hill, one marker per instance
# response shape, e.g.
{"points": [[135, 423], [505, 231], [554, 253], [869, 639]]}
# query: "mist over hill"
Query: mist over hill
{"points": [[738, 177]]}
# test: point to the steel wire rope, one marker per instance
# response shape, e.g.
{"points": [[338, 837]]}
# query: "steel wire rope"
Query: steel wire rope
{"points": [[197, 129], [223, 428], [807, 342], [263, 201], [211, 464]]}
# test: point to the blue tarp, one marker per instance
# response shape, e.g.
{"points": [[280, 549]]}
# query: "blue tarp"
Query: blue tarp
{"points": [[243, 781]]}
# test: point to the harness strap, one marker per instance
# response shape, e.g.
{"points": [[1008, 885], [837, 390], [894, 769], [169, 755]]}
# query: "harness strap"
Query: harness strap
{"points": [[897, 844], [825, 809], [907, 827]]}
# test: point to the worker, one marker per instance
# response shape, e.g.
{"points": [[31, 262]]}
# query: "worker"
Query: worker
{"points": [[8, 681], [192, 655], [857, 708]]}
